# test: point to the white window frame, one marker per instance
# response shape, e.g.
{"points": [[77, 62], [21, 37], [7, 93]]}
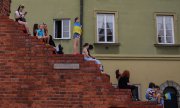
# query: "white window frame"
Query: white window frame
{"points": [[164, 29], [106, 28], [62, 28]]}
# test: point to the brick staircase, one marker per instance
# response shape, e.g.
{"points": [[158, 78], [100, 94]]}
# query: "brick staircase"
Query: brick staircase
{"points": [[28, 79], [5, 7]]}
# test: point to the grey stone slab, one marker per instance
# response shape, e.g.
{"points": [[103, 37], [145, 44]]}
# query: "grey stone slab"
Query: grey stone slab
{"points": [[66, 66]]}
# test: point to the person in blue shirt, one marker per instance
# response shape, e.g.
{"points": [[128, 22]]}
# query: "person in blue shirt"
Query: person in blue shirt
{"points": [[40, 32]]}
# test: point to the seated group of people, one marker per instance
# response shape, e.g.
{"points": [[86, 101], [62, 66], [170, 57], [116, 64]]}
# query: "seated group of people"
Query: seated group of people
{"points": [[153, 93], [40, 31]]}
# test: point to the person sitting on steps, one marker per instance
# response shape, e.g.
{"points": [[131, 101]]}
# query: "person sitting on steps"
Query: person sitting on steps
{"points": [[88, 57], [35, 28], [40, 32], [159, 95], [51, 42], [118, 74], [150, 92], [46, 37], [20, 17], [123, 83]]}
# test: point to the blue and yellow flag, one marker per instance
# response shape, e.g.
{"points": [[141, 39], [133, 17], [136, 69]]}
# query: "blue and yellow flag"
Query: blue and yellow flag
{"points": [[77, 28], [168, 96]]}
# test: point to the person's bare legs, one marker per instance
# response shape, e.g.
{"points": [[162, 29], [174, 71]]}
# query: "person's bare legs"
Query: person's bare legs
{"points": [[159, 98], [75, 45], [46, 39], [26, 26]]}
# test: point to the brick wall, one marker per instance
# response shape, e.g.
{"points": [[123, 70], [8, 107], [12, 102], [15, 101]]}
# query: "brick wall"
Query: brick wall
{"points": [[28, 79], [5, 7]]}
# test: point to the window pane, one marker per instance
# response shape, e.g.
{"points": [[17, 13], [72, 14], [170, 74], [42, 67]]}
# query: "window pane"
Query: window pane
{"points": [[66, 34], [168, 20], [109, 38], [161, 40], [100, 21], [168, 26], [101, 31], [160, 28], [109, 32], [109, 21], [160, 19], [101, 26], [169, 39], [109, 27], [101, 38], [160, 33], [168, 32], [58, 29], [66, 22], [66, 29]]}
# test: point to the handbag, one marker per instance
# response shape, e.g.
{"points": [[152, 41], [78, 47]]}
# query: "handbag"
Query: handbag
{"points": [[22, 18]]}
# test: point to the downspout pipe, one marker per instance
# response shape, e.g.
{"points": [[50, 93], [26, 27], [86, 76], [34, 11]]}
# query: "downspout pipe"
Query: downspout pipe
{"points": [[81, 21]]}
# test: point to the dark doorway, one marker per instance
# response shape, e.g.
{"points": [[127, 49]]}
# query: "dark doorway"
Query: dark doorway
{"points": [[170, 101]]}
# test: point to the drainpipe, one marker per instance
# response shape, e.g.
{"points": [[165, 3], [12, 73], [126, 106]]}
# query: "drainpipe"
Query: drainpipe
{"points": [[81, 21]]}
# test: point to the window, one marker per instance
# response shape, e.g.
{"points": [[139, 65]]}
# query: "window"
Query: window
{"points": [[62, 29], [165, 29], [105, 28]]}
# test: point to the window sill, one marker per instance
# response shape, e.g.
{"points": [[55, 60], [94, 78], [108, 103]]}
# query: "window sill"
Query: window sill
{"points": [[167, 45], [107, 44]]}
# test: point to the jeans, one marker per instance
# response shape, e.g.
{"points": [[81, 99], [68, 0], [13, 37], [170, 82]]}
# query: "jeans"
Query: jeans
{"points": [[96, 61]]}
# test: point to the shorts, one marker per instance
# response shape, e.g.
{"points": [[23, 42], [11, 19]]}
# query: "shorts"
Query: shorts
{"points": [[76, 35]]}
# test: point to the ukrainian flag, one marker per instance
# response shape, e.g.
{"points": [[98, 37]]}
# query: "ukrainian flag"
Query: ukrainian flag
{"points": [[77, 28], [168, 96]]}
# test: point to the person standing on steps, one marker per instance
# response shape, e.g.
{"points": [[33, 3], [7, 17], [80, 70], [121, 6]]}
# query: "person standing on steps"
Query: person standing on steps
{"points": [[77, 30], [20, 17], [88, 57]]}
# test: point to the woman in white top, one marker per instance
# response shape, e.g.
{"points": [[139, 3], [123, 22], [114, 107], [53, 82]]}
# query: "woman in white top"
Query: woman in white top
{"points": [[20, 17], [88, 57]]}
